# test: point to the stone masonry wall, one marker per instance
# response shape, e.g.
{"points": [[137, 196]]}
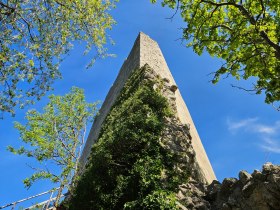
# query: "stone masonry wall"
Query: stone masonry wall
{"points": [[257, 191], [151, 54], [131, 63], [147, 51]]}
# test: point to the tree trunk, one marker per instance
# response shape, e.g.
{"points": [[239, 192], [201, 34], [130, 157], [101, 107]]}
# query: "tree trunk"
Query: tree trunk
{"points": [[59, 193]]}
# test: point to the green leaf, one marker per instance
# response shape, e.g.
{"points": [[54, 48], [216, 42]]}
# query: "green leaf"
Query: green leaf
{"points": [[56, 136], [245, 34]]}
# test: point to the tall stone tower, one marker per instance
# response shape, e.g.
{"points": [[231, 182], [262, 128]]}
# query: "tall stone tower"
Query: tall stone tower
{"points": [[146, 51]]}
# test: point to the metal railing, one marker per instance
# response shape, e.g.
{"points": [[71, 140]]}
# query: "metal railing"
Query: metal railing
{"points": [[43, 205]]}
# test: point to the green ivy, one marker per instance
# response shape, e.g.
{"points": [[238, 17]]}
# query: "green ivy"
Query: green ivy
{"points": [[129, 168]]}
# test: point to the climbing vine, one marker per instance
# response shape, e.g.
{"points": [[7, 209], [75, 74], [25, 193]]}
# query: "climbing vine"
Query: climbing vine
{"points": [[128, 167]]}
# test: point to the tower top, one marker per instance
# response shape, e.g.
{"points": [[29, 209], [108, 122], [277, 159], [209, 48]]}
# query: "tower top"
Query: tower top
{"points": [[147, 51]]}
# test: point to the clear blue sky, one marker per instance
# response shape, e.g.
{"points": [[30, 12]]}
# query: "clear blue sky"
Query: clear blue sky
{"points": [[239, 131]]}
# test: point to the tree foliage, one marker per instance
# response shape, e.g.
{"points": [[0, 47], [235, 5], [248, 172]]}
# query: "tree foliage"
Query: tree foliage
{"points": [[34, 37], [245, 33], [57, 135]]}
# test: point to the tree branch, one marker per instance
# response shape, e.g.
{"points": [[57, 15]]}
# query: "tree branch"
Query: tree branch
{"points": [[271, 43], [177, 8], [251, 19], [222, 26], [240, 7], [6, 6], [241, 88]]}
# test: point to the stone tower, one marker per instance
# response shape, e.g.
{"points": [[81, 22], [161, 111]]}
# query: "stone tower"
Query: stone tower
{"points": [[147, 51]]}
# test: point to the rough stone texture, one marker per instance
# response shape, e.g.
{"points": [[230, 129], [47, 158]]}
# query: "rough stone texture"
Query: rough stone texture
{"points": [[176, 136], [191, 196], [131, 63], [151, 54], [259, 191], [147, 51]]}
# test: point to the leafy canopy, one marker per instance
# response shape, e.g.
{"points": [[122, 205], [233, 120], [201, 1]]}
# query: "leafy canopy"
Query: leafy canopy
{"points": [[245, 33], [34, 36], [56, 136]]}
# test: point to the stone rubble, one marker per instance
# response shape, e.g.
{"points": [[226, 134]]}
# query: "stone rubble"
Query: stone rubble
{"points": [[257, 191], [261, 190]]}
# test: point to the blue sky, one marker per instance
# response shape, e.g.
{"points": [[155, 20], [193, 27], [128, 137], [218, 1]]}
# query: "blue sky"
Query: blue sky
{"points": [[239, 131]]}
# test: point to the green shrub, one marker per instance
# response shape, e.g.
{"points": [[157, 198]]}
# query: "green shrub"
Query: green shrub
{"points": [[128, 167]]}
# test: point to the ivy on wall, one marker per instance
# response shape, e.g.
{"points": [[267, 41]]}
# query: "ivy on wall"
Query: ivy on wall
{"points": [[128, 167]]}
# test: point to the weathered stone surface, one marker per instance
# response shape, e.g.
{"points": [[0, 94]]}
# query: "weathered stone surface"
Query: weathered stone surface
{"points": [[259, 191], [244, 177], [191, 196], [176, 136]]}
